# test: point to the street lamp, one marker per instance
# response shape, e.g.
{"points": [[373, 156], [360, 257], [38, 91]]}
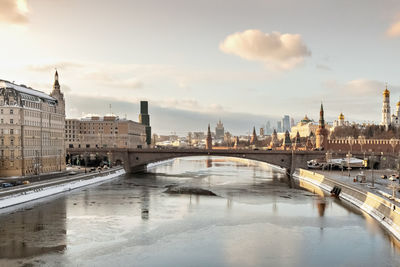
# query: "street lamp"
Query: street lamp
{"points": [[372, 161], [348, 162]]}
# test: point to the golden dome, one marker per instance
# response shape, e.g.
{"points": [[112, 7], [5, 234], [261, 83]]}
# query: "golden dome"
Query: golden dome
{"points": [[341, 116], [398, 104], [386, 93]]}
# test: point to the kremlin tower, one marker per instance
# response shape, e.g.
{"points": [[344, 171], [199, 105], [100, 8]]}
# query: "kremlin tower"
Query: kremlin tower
{"points": [[209, 138], [321, 141], [386, 109]]}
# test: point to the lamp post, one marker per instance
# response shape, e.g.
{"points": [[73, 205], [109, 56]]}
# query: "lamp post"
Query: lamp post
{"points": [[372, 160], [348, 162]]}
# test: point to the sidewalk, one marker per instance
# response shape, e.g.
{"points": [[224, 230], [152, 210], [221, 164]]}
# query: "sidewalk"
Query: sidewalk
{"points": [[380, 184]]}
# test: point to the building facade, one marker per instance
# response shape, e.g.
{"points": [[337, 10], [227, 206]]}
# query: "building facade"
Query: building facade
{"points": [[32, 130], [305, 127], [103, 132], [219, 130]]}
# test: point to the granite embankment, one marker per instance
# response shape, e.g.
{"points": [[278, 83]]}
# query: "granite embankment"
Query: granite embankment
{"points": [[384, 211]]}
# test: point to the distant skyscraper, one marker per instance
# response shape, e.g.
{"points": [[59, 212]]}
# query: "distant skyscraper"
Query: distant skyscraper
{"points": [[279, 126], [268, 129], [285, 123], [219, 130], [144, 118], [292, 122]]}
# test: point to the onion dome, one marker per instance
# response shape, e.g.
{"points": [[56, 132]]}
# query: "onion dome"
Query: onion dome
{"points": [[386, 93], [341, 116]]}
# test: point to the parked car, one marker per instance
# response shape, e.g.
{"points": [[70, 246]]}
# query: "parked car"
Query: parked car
{"points": [[26, 182], [392, 177], [384, 176], [4, 185], [14, 183]]}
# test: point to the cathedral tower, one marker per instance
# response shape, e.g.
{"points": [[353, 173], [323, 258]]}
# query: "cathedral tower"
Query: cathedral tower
{"points": [[386, 108]]}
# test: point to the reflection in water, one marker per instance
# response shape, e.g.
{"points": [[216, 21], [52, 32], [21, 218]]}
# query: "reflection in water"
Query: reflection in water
{"points": [[33, 231], [145, 203], [256, 219], [321, 205], [209, 163]]}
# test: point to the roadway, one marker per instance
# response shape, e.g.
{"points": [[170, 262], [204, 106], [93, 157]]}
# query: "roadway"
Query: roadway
{"points": [[51, 182]]}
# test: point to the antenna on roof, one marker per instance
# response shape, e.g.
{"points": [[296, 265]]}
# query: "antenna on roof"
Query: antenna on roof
{"points": [[110, 110]]}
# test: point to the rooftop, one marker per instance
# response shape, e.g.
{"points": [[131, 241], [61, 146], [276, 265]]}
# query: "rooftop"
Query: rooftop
{"points": [[25, 90]]}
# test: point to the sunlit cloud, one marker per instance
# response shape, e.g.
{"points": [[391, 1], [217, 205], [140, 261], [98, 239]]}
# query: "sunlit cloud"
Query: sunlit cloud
{"points": [[276, 50], [394, 30], [14, 11]]}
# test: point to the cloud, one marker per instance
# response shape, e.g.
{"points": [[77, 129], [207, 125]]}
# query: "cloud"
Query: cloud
{"points": [[394, 30], [323, 67], [109, 80], [13, 11], [276, 50], [63, 65], [357, 87]]}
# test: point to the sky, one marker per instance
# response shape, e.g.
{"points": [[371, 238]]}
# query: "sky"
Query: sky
{"points": [[244, 62]]}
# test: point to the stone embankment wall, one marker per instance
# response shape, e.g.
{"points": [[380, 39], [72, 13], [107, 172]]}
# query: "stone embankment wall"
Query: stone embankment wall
{"points": [[387, 213]]}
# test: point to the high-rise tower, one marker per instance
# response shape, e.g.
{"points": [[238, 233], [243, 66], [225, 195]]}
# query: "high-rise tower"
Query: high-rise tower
{"points": [[144, 118], [386, 108]]}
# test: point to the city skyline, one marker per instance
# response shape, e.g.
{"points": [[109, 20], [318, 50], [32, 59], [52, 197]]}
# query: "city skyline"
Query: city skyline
{"points": [[259, 62]]}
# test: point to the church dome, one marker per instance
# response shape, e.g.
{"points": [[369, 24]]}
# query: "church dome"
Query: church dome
{"points": [[386, 93], [398, 104], [341, 117], [305, 119]]}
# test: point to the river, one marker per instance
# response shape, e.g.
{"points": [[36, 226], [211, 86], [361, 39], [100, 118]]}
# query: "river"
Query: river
{"points": [[257, 218]]}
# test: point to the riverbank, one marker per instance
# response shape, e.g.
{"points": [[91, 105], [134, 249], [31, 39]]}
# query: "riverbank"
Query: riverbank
{"points": [[384, 211], [22, 194]]}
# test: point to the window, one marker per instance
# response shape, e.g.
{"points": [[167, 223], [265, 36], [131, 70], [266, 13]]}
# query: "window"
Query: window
{"points": [[2, 141], [12, 154], [11, 131], [11, 121], [12, 141], [1, 111], [11, 111], [1, 121]]}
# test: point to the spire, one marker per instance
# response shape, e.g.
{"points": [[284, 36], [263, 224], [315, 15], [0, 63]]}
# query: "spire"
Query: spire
{"points": [[209, 138], [321, 117], [56, 83]]}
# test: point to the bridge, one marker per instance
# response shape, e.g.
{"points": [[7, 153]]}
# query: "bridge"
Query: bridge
{"points": [[136, 160]]}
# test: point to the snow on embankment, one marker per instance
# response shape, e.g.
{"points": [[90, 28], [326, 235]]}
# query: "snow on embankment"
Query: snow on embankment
{"points": [[44, 191]]}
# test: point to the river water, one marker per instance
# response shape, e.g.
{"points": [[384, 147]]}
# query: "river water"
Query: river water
{"points": [[258, 218]]}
